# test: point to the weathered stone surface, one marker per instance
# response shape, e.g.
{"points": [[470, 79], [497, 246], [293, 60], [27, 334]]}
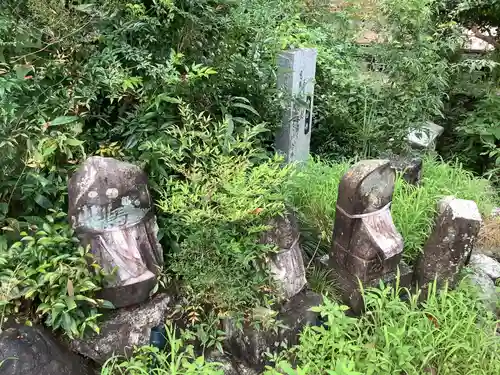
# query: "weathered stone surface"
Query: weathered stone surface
{"points": [[251, 345], [287, 265], [485, 287], [123, 329], [366, 244], [34, 351], [485, 264], [111, 210], [450, 245], [410, 169], [229, 365]]}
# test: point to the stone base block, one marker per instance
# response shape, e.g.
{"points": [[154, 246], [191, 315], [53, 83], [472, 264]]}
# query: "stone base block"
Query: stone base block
{"points": [[251, 345], [349, 288]]}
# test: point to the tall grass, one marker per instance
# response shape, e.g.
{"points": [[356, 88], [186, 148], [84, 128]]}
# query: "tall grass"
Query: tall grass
{"points": [[314, 192], [450, 334]]}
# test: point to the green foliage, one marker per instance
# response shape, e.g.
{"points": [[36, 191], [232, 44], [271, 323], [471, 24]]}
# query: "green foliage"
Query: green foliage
{"points": [[450, 333], [178, 359], [217, 192], [314, 194], [49, 269], [369, 93]]}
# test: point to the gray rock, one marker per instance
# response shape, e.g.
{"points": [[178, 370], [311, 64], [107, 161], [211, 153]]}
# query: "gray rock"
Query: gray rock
{"points": [[425, 135], [486, 264], [123, 329], [485, 287], [33, 350], [410, 168], [251, 345], [229, 365]]}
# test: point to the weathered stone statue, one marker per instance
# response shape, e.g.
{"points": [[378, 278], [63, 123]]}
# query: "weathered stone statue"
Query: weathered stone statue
{"points": [[366, 244], [111, 210], [287, 265], [450, 244]]}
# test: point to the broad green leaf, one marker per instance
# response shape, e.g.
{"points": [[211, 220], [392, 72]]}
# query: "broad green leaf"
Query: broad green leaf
{"points": [[43, 201], [63, 120]]}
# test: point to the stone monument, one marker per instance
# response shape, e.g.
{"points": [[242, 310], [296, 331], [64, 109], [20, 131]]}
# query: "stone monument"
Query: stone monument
{"points": [[296, 79], [111, 210], [450, 244], [366, 245]]}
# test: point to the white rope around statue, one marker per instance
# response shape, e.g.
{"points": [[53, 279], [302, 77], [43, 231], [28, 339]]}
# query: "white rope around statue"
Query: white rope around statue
{"points": [[361, 216]]}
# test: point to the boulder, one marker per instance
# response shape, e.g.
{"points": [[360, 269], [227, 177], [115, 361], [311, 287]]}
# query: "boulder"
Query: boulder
{"points": [[124, 329], [33, 350], [485, 287], [487, 265], [251, 345]]}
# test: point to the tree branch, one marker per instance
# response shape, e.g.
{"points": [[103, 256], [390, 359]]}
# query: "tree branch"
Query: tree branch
{"points": [[486, 38]]}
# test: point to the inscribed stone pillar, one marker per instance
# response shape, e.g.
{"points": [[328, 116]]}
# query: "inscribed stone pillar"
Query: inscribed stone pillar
{"points": [[450, 245], [111, 210], [366, 245], [296, 79]]}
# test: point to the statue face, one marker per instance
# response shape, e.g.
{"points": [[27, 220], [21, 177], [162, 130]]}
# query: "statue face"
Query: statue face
{"points": [[377, 188], [107, 209]]}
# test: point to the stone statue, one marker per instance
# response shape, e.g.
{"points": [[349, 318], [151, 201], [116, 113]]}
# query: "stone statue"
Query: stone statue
{"points": [[110, 209], [366, 245]]}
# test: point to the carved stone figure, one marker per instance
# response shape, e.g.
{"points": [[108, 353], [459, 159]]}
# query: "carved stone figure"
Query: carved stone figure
{"points": [[287, 265], [110, 209], [450, 245], [366, 244]]}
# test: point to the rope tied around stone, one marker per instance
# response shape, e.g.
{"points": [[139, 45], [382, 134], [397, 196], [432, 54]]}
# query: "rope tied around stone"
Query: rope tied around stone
{"points": [[362, 216]]}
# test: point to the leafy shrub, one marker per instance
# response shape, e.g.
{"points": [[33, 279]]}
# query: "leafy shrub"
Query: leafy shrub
{"points": [[217, 191], [47, 268], [370, 91], [315, 188], [451, 333]]}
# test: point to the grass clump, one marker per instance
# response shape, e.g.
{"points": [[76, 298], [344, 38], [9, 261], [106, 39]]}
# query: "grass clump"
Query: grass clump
{"points": [[451, 333], [178, 358], [315, 188]]}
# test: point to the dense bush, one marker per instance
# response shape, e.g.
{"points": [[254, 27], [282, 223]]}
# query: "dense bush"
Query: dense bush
{"points": [[49, 273], [186, 89], [472, 120]]}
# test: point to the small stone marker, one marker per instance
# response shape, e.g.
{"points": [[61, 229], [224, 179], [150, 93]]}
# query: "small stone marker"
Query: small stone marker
{"points": [[425, 136], [410, 169], [296, 79], [450, 245], [110, 209], [366, 245], [287, 265]]}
